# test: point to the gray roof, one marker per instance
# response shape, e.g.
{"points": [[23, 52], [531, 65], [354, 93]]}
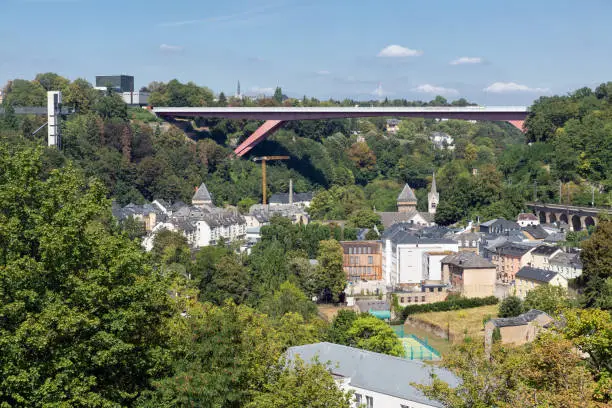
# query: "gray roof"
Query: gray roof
{"points": [[402, 234], [376, 305], [513, 249], [519, 320], [467, 260], [202, 194], [283, 198], [527, 217], [545, 250], [536, 231], [374, 371], [567, 260], [555, 237], [536, 274], [501, 223], [406, 195]]}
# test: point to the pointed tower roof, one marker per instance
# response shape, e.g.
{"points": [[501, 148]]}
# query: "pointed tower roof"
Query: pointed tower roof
{"points": [[433, 184], [202, 194], [406, 195]]}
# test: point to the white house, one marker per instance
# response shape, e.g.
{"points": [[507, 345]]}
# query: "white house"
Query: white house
{"points": [[405, 259], [526, 219], [377, 380]]}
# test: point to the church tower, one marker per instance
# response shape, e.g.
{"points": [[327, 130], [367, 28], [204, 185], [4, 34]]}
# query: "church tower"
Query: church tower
{"points": [[433, 198], [406, 201]]}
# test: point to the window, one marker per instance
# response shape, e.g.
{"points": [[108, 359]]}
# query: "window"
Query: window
{"points": [[402, 299], [422, 298], [350, 250], [409, 299], [370, 260], [369, 402], [369, 269], [358, 399], [416, 299]]}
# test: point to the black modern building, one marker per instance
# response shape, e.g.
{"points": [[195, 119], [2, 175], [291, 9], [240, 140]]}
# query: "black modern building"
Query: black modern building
{"points": [[120, 83]]}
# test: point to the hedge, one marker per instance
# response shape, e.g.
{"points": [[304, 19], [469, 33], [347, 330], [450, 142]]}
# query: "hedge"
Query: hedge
{"points": [[454, 303]]}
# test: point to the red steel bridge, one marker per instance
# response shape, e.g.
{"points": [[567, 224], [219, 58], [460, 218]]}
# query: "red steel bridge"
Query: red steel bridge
{"points": [[274, 117]]}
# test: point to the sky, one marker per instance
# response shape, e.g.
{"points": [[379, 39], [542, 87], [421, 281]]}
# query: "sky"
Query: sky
{"points": [[492, 52]]}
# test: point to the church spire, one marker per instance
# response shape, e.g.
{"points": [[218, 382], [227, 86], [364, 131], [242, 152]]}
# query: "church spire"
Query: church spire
{"points": [[433, 184], [433, 198]]}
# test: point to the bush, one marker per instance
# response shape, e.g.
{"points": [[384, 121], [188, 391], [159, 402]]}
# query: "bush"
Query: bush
{"points": [[452, 303], [510, 307]]}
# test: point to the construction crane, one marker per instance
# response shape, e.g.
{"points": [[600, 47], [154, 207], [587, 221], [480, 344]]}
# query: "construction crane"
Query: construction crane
{"points": [[263, 161]]}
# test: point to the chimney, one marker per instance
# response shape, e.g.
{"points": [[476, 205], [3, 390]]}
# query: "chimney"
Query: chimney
{"points": [[290, 191]]}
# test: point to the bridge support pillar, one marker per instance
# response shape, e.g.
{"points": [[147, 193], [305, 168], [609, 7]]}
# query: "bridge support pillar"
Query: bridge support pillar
{"points": [[519, 124], [263, 132]]}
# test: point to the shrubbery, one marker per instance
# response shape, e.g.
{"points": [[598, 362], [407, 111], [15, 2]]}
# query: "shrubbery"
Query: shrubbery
{"points": [[452, 303]]}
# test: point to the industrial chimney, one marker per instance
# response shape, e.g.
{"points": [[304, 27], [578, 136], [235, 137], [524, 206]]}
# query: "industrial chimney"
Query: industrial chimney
{"points": [[290, 192]]}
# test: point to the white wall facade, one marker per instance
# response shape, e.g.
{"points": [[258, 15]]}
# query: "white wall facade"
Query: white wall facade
{"points": [[405, 264], [379, 400]]}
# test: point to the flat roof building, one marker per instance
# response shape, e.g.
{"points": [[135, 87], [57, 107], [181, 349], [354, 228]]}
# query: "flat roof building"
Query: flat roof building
{"points": [[119, 83]]}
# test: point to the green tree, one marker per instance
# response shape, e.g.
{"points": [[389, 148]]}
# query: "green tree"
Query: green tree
{"points": [[330, 272], [222, 357], [83, 314], [288, 298], [52, 82], [596, 277], [510, 307], [365, 218], [547, 298], [25, 93], [370, 333], [302, 385], [111, 106], [338, 330], [547, 372], [229, 279], [278, 95], [170, 247]]}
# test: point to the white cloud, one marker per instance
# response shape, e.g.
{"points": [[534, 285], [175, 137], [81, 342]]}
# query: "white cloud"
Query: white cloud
{"points": [[399, 51], [170, 48], [262, 91], [500, 87], [323, 72], [438, 90], [466, 60]]}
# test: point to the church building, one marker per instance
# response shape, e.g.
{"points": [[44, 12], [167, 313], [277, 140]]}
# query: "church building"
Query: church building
{"points": [[407, 208]]}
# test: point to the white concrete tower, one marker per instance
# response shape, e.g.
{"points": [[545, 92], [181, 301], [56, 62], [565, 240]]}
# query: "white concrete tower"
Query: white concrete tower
{"points": [[54, 100], [433, 198]]}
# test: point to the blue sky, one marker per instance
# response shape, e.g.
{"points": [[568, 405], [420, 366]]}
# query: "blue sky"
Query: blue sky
{"points": [[489, 51]]}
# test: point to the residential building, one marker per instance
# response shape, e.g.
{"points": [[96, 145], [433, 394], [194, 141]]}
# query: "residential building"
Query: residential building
{"points": [[423, 294], [432, 267], [1, 96], [517, 330], [508, 259], [469, 274], [392, 126], [404, 251], [442, 140], [539, 257], [525, 219], [362, 260], [376, 380], [534, 232], [528, 278], [565, 264], [148, 214], [119, 83], [263, 213], [138, 98], [499, 226], [201, 197], [467, 241]]}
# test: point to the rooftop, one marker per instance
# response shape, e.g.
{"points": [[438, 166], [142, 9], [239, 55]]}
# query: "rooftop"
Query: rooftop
{"points": [[527, 217], [202, 194], [545, 250], [536, 231], [467, 260], [374, 371], [367, 305], [536, 274], [283, 198], [513, 249], [519, 320], [407, 195]]}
